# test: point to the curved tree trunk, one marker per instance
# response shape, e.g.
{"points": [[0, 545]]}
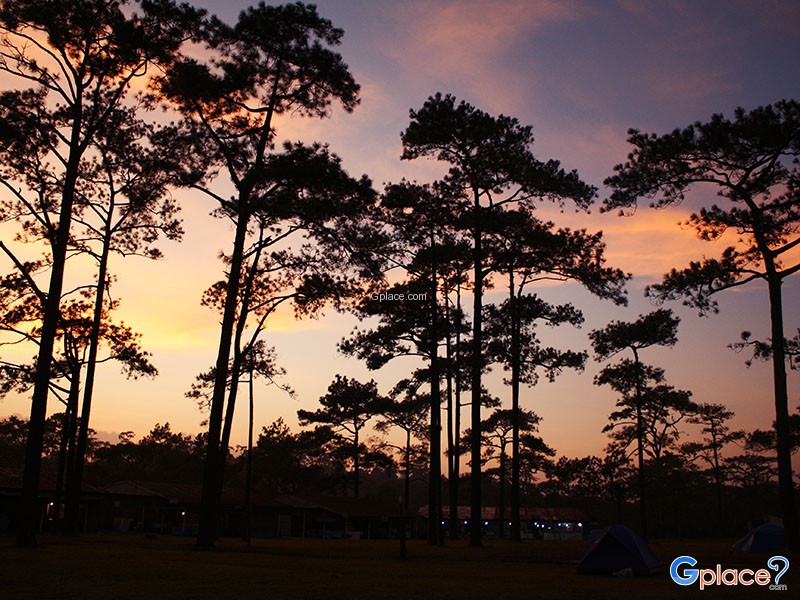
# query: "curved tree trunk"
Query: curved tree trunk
{"points": [[238, 358], [230, 407], [212, 471]]}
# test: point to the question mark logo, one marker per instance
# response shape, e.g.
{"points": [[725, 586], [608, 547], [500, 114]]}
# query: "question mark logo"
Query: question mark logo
{"points": [[774, 564]]}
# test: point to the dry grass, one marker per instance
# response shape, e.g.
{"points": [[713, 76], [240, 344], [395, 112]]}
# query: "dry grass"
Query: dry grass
{"points": [[132, 566]]}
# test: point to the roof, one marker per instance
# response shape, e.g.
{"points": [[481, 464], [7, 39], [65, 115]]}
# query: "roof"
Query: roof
{"points": [[343, 505], [173, 492], [182, 493]]}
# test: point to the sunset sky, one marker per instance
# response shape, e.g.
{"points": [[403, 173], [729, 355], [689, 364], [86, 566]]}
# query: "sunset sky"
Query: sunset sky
{"points": [[581, 73]]}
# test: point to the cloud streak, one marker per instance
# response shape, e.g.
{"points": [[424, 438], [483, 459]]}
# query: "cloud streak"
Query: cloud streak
{"points": [[468, 45]]}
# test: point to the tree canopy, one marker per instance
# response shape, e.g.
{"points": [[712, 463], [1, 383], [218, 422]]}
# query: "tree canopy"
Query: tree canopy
{"points": [[751, 162]]}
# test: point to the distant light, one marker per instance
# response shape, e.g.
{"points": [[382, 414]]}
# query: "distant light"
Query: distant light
{"points": [[51, 504], [183, 513], [442, 522], [486, 522], [466, 522], [580, 524]]}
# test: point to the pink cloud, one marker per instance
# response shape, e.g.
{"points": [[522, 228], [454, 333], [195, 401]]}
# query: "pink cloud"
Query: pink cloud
{"points": [[467, 43]]}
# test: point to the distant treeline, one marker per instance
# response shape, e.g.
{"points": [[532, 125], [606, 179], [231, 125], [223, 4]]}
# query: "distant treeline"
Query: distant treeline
{"points": [[308, 462]]}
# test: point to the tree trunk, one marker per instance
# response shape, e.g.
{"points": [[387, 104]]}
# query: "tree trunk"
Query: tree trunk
{"points": [[451, 441], [435, 459], [29, 500], [62, 458], [230, 407], [516, 530], [355, 463], [476, 523], [782, 429], [435, 470], [75, 483], [70, 434], [641, 476], [502, 501], [238, 359], [248, 485], [640, 445], [455, 477], [717, 479], [212, 481], [406, 496], [67, 425]]}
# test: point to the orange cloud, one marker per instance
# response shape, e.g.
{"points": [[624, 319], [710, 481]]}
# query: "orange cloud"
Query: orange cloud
{"points": [[650, 243], [646, 244]]}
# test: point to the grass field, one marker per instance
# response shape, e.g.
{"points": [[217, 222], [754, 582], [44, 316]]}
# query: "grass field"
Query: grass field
{"points": [[133, 566]]}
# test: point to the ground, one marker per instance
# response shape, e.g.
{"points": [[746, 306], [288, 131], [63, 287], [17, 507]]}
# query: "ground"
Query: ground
{"points": [[135, 566]]}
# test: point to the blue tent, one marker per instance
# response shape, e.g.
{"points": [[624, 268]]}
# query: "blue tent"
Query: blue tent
{"points": [[764, 538], [615, 549]]}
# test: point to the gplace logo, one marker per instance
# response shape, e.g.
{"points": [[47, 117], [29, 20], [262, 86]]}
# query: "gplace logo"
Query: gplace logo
{"points": [[719, 576]]}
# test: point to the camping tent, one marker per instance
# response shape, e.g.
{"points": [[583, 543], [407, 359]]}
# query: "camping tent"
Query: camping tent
{"points": [[615, 549], [764, 538]]}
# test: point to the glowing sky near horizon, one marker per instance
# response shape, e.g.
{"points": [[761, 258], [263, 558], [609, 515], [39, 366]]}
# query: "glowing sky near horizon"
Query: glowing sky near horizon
{"points": [[581, 73]]}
